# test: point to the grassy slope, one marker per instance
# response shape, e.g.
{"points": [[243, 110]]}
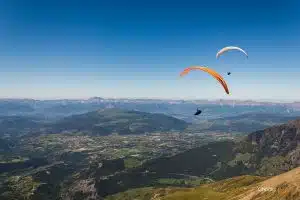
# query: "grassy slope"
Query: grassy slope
{"points": [[284, 186]]}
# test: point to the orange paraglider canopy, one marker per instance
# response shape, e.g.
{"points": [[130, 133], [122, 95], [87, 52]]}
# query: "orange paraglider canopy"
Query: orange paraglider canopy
{"points": [[212, 72]]}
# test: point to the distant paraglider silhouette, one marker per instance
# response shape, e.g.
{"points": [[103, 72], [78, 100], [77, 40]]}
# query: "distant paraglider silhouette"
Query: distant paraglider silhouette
{"points": [[198, 112]]}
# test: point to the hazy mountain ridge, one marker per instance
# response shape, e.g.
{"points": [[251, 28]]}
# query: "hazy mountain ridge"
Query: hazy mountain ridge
{"points": [[22, 125], [244, 123], [19, 125], [108, 121], [99, 122], [243, 117], [178, 108]]}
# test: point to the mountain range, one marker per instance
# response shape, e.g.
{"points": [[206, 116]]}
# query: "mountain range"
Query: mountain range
{"points": [[108, 121], [244, 123], [53, 109], [99, 122], [113, 120], [21, 116]]}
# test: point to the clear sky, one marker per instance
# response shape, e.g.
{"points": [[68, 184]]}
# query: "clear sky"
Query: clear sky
{"points": [[137, 48]]}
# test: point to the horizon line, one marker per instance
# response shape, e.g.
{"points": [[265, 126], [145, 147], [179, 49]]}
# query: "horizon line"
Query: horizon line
{"points": [[151, 98]]}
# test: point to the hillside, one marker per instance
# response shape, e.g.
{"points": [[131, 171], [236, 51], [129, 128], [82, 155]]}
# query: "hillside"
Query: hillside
{"points": [[54, 109], [108, 121], [284, 186], [99, 122], [244, 123], [19, 125], [276, 147], [268, 152]]}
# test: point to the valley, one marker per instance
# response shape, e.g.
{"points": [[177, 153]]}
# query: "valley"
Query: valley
{"points": [[115, 153]]}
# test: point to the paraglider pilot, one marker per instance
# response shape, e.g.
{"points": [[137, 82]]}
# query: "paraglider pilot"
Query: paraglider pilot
{"points": [[198, 112]]}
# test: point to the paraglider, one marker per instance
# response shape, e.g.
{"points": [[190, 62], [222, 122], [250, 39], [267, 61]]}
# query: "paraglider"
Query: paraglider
{"points": [[230, 48], [198, 112], [212, 72]]}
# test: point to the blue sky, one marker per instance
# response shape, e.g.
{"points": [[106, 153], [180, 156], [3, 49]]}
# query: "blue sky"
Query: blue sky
{"points": [[79, 49]]}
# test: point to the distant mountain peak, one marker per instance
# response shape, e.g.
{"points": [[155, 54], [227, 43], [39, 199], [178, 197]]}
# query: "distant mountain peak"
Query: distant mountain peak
{"points": [[109, 120], [96, 98]]}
